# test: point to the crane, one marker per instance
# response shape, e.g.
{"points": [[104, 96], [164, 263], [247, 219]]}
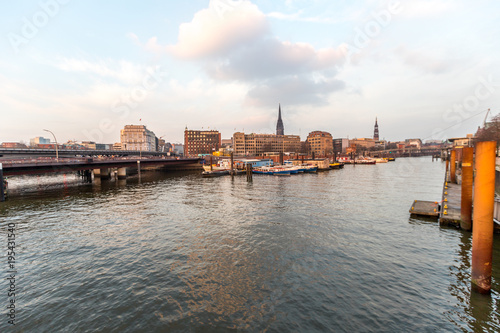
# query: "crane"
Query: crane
{"points": [[486, 117]]}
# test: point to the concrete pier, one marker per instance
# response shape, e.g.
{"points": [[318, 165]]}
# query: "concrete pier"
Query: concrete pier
{"points": [[455, 207], [122, 173], [104, 173]]}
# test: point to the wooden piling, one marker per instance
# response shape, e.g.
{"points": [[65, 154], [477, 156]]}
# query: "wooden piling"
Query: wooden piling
{"points": [[2, 189], [453, 157], [232, 164], [249, 172], [87, 175], [484, 199], [211, 166], [467, 178]]}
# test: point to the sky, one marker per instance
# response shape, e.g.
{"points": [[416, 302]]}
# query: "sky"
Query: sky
{"points": [[84, 69]]}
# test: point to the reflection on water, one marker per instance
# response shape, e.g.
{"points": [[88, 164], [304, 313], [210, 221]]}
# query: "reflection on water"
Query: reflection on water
{"points": [[334, 251]]}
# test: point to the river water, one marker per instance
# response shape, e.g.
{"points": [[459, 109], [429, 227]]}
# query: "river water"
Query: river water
{"points": [[334, 251]]}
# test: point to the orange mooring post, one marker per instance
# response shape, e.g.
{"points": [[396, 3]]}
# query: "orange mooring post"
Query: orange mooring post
{"points": [[466, 200], [453, 157], [459, 155], [482, 233]]}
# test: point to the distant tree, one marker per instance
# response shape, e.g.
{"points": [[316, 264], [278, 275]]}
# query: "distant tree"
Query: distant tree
{"points": [[391, 145], [490, 132]]}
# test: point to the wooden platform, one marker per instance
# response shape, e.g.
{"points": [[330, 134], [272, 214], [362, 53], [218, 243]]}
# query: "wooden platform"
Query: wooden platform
{"points": [[451, 205], [425, 208], [448, 210]]}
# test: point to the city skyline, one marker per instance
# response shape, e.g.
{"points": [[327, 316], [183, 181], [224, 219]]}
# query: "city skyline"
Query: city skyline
{"points": [[84, 70]]}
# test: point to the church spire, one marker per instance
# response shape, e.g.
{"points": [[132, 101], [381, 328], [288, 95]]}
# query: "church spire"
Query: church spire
{"points": [[375, 131], [280, 130]]}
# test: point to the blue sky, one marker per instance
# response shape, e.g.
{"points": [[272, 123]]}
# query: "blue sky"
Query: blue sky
{"points": [[84, 69]]}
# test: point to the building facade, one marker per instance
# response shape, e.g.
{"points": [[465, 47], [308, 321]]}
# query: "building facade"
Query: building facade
{"points": [[257, 144], [320, 143], [362, 143], [375, 131], [137, 137], [13, 145], [39, 140], [201, 142], [178, 149], [340, 145], [415, 143]]}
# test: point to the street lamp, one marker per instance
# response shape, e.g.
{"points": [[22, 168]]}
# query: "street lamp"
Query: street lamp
{"points": [[57, 152]]}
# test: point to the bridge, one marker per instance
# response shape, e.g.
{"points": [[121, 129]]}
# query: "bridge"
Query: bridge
{"points": [[99, 167], [406, 152]]}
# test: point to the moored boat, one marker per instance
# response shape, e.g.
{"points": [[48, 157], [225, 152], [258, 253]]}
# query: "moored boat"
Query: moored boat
{"points": [[274, 170], [310, 168], [214, 173], [336, 165], [361, 160], [221, 165]]}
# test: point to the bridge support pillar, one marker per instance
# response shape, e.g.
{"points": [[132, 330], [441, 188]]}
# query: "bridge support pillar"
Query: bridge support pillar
{"points": [[122, 173], [103, 173], [87, 175]]}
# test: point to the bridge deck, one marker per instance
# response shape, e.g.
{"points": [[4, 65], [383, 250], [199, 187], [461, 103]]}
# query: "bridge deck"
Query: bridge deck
{"points": [[70, 165]]}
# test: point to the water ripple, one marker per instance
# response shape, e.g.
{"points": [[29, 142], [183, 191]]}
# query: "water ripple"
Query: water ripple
{"points": [[322, 252]]}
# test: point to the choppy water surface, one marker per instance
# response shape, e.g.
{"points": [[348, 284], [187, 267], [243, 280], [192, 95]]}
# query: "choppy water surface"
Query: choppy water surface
{"points": [[334, 251]]}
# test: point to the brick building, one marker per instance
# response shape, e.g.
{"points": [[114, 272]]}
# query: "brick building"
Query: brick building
{"points": [[201, 142]]}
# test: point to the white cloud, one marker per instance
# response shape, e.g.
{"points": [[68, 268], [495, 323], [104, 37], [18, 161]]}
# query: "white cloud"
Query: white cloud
{"points": [[271, 58], [122, 70], [236, 45], [298, 17], [423, 61], [213, 32], [426, 8], [296, 90]]}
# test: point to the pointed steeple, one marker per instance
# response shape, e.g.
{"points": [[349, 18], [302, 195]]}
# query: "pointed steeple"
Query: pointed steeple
{"points": [[279, 126], [375, 132]]}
